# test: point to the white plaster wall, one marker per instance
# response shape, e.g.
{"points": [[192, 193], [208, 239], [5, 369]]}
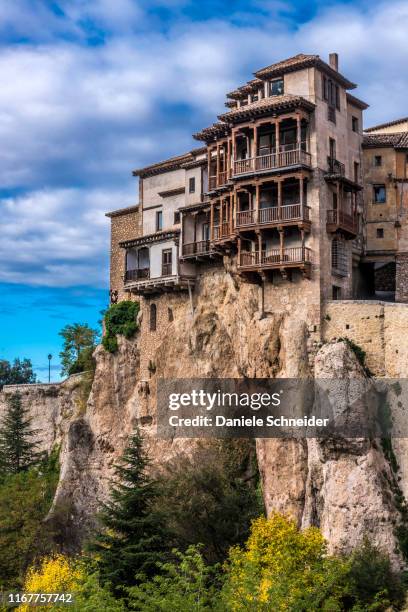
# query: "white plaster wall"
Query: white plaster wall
{"points": [[156, 257]]}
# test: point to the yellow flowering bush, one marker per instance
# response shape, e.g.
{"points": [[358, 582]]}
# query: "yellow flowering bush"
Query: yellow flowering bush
{"points": [[57, 574], [282, 568]]}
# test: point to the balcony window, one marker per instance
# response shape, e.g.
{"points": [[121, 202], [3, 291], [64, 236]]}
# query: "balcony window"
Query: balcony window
{"points": [[205, 231], [176, 217], [276, 87], [191, 185], [266, 143], [166, 262], [159, 221], [339, 258], [380, 194]]}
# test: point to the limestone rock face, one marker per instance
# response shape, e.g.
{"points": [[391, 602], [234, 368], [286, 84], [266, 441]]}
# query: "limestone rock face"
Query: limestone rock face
{"points": [[225, 330]]}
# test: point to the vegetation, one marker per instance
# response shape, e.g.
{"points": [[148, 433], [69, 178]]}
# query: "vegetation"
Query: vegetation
{"points": [[120, 319], [132, 539], [212, 499], [25, 499], [79, 343], [359, 353], [20, 372], [18, 450]]}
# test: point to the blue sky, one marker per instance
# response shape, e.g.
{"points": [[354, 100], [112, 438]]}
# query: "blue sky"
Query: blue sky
{"points": [[91, 89]]}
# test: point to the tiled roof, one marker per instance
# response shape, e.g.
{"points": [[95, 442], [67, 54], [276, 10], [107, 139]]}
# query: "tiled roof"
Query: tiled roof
{"points": [[122, 211], [385, 125], [356, 101], [173, 163], [211, 133], [297, 62], [398, 140], [266, 104]]}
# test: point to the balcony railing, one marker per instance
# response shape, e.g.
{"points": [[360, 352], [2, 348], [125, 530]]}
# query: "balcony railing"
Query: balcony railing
{"points": [[222, 230], [335, 167], [138, 274], [338, 218], [273, 214], [277, 159], [222, 179], [275, 257], [191, 249]]}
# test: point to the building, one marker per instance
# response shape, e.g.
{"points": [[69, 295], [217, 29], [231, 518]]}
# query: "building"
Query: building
{"points": [[275, 193], [386, 204]]}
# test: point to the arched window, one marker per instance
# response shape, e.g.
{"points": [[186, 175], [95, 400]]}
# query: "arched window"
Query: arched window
{"points": [[153, 317]]}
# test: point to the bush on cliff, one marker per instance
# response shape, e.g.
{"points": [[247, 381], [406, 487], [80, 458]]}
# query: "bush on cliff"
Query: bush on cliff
{"points": [[80, 341], [212, 498], [120, 319]]}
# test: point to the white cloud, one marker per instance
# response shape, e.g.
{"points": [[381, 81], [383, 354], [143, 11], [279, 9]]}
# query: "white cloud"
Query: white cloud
{"points": [[76, 119]]}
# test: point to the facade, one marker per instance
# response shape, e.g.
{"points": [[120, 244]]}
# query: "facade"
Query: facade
{"points": [[386, 203], [275, 195]]}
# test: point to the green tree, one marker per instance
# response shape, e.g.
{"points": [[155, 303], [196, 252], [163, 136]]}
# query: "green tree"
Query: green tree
{"points": [[25, 499], [79, 342], [132, 538], [212, 498], [20, 372], [184, 584], [18, 449]]}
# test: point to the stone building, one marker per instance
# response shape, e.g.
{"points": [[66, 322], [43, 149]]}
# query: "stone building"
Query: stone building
{"points": [[385, 152], [275, 197]]}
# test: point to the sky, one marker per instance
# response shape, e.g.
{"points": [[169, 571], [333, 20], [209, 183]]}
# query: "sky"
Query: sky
{"points": [[92, 89]]}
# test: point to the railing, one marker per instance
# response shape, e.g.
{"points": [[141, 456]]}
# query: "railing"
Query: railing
{"points": [[166, 269], [273, 214], [138, 274], [222, 230], [335, 167], [196, 248], [222, 179], [276, 159], [338, 217], [276, 257]]}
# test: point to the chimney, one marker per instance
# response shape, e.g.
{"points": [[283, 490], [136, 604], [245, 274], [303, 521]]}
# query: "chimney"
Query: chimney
{"points": [[334, 61]]}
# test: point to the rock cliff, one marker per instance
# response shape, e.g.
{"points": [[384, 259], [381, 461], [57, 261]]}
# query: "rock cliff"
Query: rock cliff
{"points": [[346, 488]]}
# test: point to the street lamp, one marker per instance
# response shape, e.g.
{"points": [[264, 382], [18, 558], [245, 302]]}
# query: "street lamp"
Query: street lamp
{"points": [[49, 367]]}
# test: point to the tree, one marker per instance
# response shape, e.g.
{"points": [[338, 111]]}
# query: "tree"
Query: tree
{"points": [[21, 372], [79, 342], [212, 498], [132, 538], [18, 450]]}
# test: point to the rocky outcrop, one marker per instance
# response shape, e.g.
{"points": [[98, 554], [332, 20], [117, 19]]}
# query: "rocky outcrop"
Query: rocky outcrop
{"points": [[345, 488]]}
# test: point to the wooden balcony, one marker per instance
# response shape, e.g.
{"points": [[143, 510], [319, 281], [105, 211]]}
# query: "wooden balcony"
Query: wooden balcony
{"points": [[289, 214], [335, 167], [195, 250], [213, 183], [287, 158], [340, 221], [290, 257], [222, 231], [135, 275]]}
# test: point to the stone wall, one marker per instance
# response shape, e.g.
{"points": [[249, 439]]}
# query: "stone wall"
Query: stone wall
{"points": [[401, 280], [125, 225], [379, 328]]}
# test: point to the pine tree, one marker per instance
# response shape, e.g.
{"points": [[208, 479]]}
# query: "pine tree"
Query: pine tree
{"points": [[18, 450], [132, 538]]}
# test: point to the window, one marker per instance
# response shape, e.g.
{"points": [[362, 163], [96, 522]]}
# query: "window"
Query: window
{"points": [[191, 185], [153, 317], [377, 160], [339, 257], [332, 148], [380, 195], [325, 88], [166, 262], [176, 217], [336, 292], [356, 172], [276, 87], [159, 220], [205, 231], [354, 124], [331, 114], [380, 232], [331, 92], [170, 315]]}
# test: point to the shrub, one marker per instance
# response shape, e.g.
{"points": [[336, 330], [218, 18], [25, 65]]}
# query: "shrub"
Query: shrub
{"points": [[120, 319]]}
